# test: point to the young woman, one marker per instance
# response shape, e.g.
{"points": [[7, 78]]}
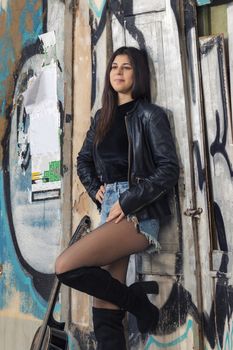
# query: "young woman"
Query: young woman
{"points": [[127, 164]]}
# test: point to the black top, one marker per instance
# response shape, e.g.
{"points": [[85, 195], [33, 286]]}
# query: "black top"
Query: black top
{"points": [[113, 149]]}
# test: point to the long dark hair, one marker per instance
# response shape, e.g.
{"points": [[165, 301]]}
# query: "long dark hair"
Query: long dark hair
{"points": [[141, 87]]}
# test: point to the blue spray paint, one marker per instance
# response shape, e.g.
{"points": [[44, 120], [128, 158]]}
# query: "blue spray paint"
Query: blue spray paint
{"points": [[203, 2], [152, 341], [31, 301], [97, 9], [72, 343], [31, 37]]}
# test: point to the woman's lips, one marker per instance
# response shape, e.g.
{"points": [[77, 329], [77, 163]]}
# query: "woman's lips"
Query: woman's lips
{"points": [[118, 80]]}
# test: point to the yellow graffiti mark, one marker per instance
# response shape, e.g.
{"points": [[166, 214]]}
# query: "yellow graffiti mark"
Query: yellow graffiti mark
{"points": [[36, 176]]}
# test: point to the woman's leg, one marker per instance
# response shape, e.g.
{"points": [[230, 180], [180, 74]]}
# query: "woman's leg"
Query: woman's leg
{"points": [[79, 267], [103, 246]]}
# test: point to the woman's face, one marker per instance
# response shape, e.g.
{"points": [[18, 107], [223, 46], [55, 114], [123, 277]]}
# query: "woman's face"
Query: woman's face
{"points": [[122, 75]]}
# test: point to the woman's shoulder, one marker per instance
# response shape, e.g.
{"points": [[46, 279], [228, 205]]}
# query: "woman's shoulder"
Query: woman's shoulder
{"points": [[97, 113], [96, 117], [151, 109]]}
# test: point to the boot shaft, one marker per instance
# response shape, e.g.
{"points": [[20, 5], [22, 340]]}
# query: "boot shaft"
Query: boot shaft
{"points": [[108, 329]]}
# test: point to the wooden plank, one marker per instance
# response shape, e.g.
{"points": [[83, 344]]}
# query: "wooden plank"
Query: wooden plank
{"points": [[82, 91], [90, 55], [118, 35], [176, 103], [218, 120], [164, 264], [203, 242], [140, 7], [67, 143], [150, 25], [218, 255]]}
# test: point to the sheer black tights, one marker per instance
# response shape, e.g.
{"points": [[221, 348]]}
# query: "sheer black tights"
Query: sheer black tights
{"points": [[108, 246]]}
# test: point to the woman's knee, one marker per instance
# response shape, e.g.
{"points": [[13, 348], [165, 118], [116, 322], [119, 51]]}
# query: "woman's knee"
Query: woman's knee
{"points": [[102, 304], [60, 265]]}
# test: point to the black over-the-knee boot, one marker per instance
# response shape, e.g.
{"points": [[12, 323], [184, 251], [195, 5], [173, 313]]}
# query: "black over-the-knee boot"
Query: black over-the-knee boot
{"points": [[100, 284], [108, 329]]}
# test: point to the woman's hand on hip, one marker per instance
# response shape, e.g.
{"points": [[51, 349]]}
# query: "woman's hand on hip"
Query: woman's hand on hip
{"points": [[100, 194], [115, 213]]}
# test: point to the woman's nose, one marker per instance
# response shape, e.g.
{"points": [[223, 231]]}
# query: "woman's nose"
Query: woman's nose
{"points": [[119, 70]]}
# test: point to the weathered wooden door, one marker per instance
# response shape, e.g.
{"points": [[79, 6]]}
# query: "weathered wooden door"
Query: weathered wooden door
{"points": [[218, 121], [155, 26], [211, 122]]}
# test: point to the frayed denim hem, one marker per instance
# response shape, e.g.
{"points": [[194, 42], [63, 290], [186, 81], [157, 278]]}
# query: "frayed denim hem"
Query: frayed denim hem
{"points": [[154, 245]]}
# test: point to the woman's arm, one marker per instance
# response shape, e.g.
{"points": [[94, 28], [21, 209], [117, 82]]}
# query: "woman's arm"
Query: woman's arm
{"points": [[151, 188], [85, 163]]}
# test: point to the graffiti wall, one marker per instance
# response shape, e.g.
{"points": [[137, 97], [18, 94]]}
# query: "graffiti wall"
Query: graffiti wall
{"points": [[31, 103]]}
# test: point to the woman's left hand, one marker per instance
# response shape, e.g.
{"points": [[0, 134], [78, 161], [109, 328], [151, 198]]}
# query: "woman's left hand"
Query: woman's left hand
{"points": [[115, 213]]}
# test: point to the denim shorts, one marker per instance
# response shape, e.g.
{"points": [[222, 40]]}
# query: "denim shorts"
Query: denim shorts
{"points": [[149, 227]]}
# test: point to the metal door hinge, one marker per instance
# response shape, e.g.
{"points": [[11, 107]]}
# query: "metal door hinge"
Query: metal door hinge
{"points": [[195, 213]]}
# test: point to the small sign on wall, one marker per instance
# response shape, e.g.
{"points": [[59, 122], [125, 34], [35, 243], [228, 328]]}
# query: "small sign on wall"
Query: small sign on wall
{"points": [[41, 104]]}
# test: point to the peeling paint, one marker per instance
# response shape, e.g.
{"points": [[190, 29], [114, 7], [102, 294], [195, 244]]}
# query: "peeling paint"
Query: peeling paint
{"points": [[13, 274], [3, 5]]}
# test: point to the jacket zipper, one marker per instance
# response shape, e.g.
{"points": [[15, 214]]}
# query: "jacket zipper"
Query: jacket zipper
{"points": [[129, 149], [100, 163], [151, 201]]}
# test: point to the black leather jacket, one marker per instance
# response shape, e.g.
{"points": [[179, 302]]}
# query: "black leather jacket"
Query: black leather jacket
{"points": [[153, 165]]}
